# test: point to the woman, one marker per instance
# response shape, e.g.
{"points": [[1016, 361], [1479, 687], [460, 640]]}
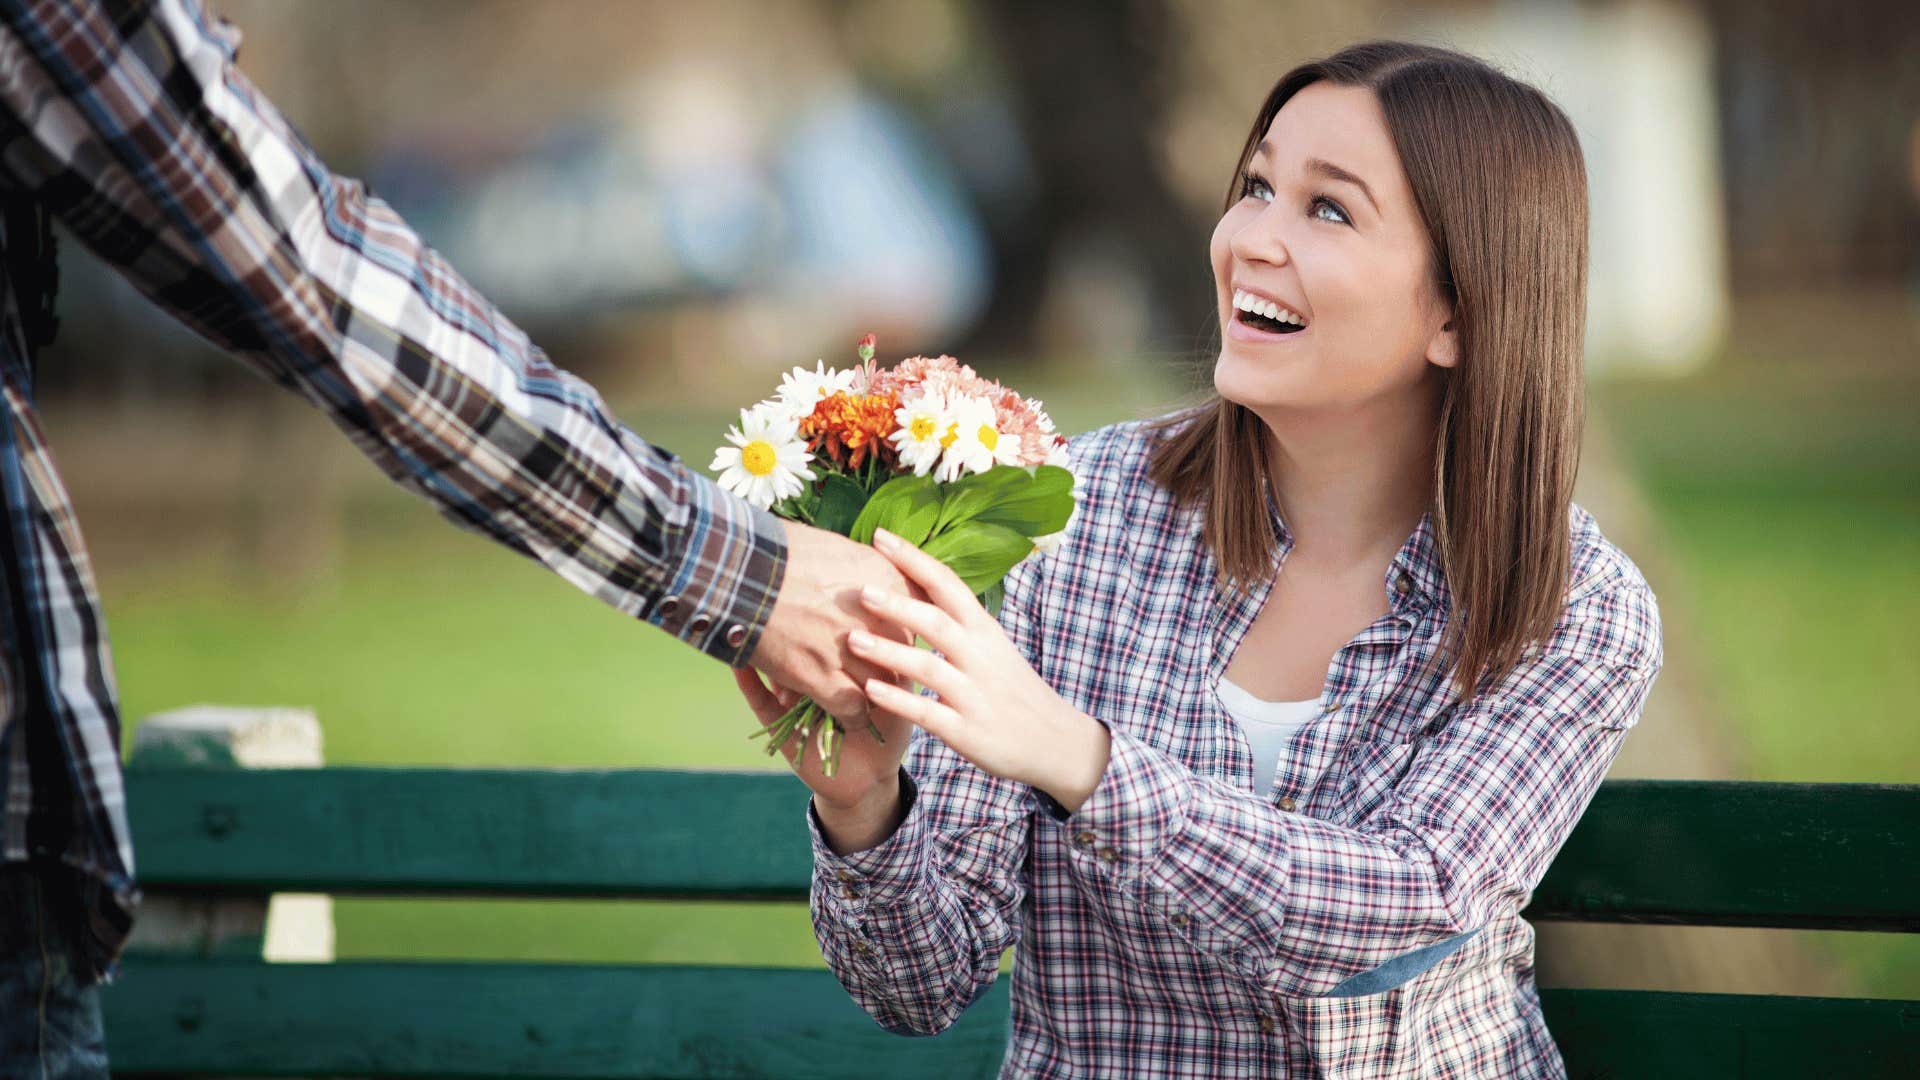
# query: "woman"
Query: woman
{"points": [[1258, 771]]}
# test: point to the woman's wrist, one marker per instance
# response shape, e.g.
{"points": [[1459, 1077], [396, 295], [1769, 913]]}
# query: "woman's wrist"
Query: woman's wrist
{"points": [[865, 822], [1073, 760]]}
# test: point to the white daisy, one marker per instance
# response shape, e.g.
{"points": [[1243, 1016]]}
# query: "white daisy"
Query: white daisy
{"points": [[1040, 416], [768, 459], [800, 389], [976, 445], [924, 421], [1052, 542]]}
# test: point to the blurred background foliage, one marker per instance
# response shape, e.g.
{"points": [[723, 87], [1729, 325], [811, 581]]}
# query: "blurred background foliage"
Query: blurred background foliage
{"points": [[679, 200]]}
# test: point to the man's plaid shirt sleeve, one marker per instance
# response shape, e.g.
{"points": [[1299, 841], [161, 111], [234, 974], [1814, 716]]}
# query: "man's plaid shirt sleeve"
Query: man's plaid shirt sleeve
{"points": [[136, 129], [1303, 906]]}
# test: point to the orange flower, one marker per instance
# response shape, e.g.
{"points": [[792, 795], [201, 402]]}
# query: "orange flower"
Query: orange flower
{"points": [[845, 428]]}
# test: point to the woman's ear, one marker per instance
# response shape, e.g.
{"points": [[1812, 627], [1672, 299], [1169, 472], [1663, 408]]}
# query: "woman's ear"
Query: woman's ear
{"points": [[1443, 349]]}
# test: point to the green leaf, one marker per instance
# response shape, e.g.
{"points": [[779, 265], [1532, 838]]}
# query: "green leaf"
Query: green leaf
{"points": [[906, 506], [801, 507], [1039, 508], [980, 552], [841, 500], [994, 597], [964, 499]]}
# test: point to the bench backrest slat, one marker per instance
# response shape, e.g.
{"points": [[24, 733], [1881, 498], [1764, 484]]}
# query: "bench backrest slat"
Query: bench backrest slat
{"points": [[1727, 853], [521, 1020], [550, 1021], [562, 833], [1843, 856]]}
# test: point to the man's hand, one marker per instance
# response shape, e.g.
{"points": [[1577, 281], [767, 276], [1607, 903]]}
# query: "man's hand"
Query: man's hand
{"points": [[804, 645]]}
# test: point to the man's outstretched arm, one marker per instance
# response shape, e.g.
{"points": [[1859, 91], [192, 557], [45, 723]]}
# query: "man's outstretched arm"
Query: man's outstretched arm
{"points": [[132, 124]]}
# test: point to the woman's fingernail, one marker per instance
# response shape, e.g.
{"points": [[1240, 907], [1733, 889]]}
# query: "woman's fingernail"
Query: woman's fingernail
{"points": [[884, 540], [860, 640], [879, 687], [873, 596]]}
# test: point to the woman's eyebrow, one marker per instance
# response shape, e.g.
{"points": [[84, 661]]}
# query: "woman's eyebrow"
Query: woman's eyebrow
{"points": [[1325, 168], [1334, 172]]}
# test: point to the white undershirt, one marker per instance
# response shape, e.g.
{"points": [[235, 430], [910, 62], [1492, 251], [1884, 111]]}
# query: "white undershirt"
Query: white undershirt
{"points": [[1268, 725]]}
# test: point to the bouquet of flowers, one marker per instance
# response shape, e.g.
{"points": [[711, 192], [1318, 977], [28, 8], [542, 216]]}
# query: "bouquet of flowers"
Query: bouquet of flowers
{"points": [[958, 465]]}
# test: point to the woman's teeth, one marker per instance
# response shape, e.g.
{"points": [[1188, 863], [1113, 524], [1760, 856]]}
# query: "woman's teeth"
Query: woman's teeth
{"points": [[1265, 314]]}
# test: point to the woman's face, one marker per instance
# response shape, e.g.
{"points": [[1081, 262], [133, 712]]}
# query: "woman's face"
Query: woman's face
{"points": [[1326, 231]]}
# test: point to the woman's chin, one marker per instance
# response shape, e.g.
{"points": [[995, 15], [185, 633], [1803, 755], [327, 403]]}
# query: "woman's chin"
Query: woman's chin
{"points": [[1257, 385]]}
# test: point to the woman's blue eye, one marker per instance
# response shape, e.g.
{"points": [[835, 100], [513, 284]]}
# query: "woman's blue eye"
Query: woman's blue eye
{"points": [[1321, 202], [1253, 187]]}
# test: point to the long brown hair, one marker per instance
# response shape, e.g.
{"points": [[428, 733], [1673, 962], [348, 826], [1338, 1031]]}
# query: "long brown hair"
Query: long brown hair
{"points": [[1497, 173]]}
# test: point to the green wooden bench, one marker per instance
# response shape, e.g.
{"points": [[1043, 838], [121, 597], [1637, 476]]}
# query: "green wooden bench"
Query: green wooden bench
{"points": [[1700, 853]]}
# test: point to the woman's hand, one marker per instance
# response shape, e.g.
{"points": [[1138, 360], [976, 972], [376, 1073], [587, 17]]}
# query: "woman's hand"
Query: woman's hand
{"points": [[859, 805], [994, 709]]}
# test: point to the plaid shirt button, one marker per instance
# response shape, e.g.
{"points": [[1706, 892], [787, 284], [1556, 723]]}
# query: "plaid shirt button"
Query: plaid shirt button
{"points": [[1403, 584], [1287, 804], [736, 636], [1266, 1023], [668, 606], [1083, 839], [1179, 919], [698, 624], [1109, 856], [846, 877]]}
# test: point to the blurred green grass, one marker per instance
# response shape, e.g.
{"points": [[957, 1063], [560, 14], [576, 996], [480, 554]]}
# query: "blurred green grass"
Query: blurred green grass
{"points": [[439, 648], [1790, 506], [1788, 499]]}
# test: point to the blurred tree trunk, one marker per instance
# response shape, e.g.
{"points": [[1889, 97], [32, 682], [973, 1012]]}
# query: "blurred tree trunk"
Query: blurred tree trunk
{"points": [[1089, 100]]}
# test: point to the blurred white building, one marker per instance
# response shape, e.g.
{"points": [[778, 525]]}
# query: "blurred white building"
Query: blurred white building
{"points": [[1636, 78]]}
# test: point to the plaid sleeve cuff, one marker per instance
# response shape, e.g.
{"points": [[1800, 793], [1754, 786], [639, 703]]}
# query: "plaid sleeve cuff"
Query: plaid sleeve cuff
{"points": [[878, 876], [727, 560], [1124, 827]]}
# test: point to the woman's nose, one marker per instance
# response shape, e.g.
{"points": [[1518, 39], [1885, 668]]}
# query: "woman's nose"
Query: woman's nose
{"points": [[1260, 239]]}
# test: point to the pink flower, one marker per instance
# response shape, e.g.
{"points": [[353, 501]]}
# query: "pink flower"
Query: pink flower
{"points": [[937, 374], [1019, 419]]}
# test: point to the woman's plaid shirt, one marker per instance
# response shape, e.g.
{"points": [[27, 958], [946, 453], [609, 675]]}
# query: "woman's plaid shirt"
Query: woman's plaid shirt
{"points": [[130, 123], [1363, 921]]}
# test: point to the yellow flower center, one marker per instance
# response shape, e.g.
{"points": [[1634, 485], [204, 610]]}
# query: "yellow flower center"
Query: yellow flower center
{"points": [[952, 434], [758, 457], [922, 427], [989, 438]]}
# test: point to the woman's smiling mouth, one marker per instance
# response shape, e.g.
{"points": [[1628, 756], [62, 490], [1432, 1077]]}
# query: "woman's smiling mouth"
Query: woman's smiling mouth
{"points": [[1264, 319]]}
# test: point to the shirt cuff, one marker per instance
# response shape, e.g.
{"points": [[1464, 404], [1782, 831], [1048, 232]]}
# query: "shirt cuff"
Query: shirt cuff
{"points": [[731, 560], [880, 875], [1124, 827]]}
